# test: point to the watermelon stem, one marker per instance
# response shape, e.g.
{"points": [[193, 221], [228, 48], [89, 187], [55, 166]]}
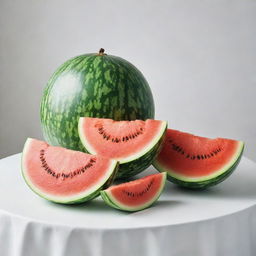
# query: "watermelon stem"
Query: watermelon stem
{"points": [[101, 52]]}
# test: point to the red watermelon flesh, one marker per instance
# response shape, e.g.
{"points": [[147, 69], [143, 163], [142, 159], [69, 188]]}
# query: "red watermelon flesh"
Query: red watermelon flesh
{"points": [[63, 175], [191, 157], [135, 195], [120, 140]]}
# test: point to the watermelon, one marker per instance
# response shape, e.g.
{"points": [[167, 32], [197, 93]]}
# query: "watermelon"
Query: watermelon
{"points": [[134, 144], [92, 85], [62, 175], [197, 162], [135, 195]]}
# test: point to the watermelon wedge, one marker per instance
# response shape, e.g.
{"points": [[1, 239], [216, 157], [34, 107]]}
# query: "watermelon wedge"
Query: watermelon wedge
{"points": [[134, 144], [197, 162], [135, 195], [62, 175]]}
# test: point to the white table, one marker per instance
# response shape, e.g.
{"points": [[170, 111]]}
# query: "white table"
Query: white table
{"points": [[219, 221]]}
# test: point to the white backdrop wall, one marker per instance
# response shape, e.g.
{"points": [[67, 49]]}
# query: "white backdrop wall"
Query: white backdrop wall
{"points": [[199, 58]]}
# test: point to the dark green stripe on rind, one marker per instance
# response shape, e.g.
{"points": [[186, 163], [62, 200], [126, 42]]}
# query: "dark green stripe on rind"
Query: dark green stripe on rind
{"points": [[130, 169], [112, 177], [205, 183], [92, 86]]}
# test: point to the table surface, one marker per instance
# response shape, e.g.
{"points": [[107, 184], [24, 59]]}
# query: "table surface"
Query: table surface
{"points": [[175, 206]]}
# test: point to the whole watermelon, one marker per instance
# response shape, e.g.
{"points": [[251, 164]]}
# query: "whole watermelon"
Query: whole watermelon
{"points": [[92, 85]]}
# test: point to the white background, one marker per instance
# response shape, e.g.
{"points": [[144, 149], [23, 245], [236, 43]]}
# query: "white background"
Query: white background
{"points": [[199, 58]]}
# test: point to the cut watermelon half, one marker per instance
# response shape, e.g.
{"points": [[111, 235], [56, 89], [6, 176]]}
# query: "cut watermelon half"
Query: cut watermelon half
{"points": [[135, 195], [134, 144], [62, 175], [197, 162]]}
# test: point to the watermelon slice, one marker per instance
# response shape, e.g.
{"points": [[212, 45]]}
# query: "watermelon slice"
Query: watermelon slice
{"points": [[135, 195], [134, 144], [62, 175], [197, 162]]}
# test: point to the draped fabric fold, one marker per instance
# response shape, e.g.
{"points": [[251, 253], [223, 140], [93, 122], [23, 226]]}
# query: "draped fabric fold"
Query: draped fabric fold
{"points": [[233, 234]]}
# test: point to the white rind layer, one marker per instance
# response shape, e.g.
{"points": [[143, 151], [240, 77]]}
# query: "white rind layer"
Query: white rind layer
{"points": [[225, 168], [131, 158], [124, 207], [64, 199]]}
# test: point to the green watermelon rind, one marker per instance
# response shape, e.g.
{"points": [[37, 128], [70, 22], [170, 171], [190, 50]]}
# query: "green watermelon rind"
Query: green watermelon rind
{"points": [[107, 86], [112, 202], [82, 197], [205, 181], [130, 169], [107, 200], [136, 163]]}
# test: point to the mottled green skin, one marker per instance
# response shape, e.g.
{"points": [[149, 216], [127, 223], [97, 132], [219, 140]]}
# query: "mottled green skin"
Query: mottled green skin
{"points": [[205, 183], [132, 168], [94, 86]]}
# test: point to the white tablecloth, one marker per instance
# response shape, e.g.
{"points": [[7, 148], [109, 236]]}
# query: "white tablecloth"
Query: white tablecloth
{"points": [[218, 221]]}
